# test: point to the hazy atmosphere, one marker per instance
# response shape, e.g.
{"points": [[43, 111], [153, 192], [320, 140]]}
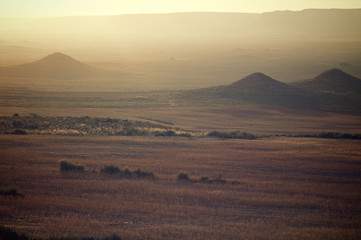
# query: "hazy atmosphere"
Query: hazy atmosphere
{"points": [[47, 8], [124, 120]]}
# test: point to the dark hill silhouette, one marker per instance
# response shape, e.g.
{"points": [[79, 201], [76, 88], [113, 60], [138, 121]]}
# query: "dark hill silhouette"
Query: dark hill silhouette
{"points": [[257, 82], [334, 81], [54, 66], [256, 88]]}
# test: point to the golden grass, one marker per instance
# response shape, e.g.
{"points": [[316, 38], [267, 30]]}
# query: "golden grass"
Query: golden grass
{"points": [[288, 188], [253, 119]]}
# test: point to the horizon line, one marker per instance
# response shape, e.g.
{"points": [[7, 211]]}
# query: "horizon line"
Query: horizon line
{"points": [[180, 12]]}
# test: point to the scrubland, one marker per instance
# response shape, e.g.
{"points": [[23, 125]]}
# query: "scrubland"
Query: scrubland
{"points": [[275, 188]]}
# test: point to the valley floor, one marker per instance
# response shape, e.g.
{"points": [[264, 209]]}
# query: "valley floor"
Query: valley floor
{"points": [[255, 119], [274, 188]]}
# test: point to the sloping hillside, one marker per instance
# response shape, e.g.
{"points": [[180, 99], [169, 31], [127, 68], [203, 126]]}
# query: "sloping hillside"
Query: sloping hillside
{"points": [[54, 66], [333, 80], [256, 88]]}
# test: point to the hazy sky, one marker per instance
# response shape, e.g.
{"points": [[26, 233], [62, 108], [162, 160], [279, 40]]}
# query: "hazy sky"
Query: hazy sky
{"points": [[41, 8]]}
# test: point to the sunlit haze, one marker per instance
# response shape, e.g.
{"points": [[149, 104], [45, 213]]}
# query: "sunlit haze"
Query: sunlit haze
{"points": [[45, 8]]}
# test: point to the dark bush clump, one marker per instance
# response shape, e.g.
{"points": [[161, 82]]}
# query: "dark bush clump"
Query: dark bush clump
{"points": [[66, 166], [110, 169], [237, 134], [19, 132], [11, 191], [10, 234], [168, 133], [142, 174], [126, 173], [182, 176], [204, 179]]}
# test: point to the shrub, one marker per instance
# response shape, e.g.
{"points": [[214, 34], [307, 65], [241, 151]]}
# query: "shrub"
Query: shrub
{"points": [[219, 179], [215, 134], [142, 174], [236, 134], [10, 234], [11, 191], [66, 166], [127, 172], [204, 179], [19, 132], [182, 176], [110, 169]]}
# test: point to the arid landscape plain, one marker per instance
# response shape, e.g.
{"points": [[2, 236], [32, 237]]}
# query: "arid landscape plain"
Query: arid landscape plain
{"points": [[181, 126]]}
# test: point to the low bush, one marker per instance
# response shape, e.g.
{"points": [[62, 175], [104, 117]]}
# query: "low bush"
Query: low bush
{"points": [[10, 234], [110, 169], [204, 179], [168, 133], [126, 173], [66, 166], [19, 132], [143, 174], [11, 191], [182, 176], [237, 134]]}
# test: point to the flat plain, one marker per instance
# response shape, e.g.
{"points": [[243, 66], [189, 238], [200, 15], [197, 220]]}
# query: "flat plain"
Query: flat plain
{"points": [[169, 96], [272, 188]]}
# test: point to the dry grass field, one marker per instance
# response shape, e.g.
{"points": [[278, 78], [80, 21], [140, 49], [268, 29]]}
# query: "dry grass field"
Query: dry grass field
{"points": [[276, 188], [254, 119], [191, 125]]}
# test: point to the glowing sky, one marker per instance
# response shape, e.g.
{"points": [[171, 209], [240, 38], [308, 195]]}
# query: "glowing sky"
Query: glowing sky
{"points": [[41, 8]]}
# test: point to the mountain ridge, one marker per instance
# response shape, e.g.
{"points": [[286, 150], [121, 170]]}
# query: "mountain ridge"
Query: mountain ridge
{"points": [[322, 23]]}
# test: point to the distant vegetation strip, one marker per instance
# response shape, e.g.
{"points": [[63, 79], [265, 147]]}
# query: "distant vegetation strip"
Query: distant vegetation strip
{"points": [[107, 170], [84, 126], [330, 135], [88, 126], [10, 234], [157, 120], [236, 134], [69, 169]]}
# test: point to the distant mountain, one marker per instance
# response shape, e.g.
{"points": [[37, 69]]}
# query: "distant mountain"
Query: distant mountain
{"points": [[54, 66], [333, 81], [337, 90], [307, 24], [332, 90], [256, 88]]}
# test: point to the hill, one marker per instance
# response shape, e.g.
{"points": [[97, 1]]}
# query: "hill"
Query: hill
{"points": [[334, 81], [54, 66], [333, 90], [256, 88]]}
